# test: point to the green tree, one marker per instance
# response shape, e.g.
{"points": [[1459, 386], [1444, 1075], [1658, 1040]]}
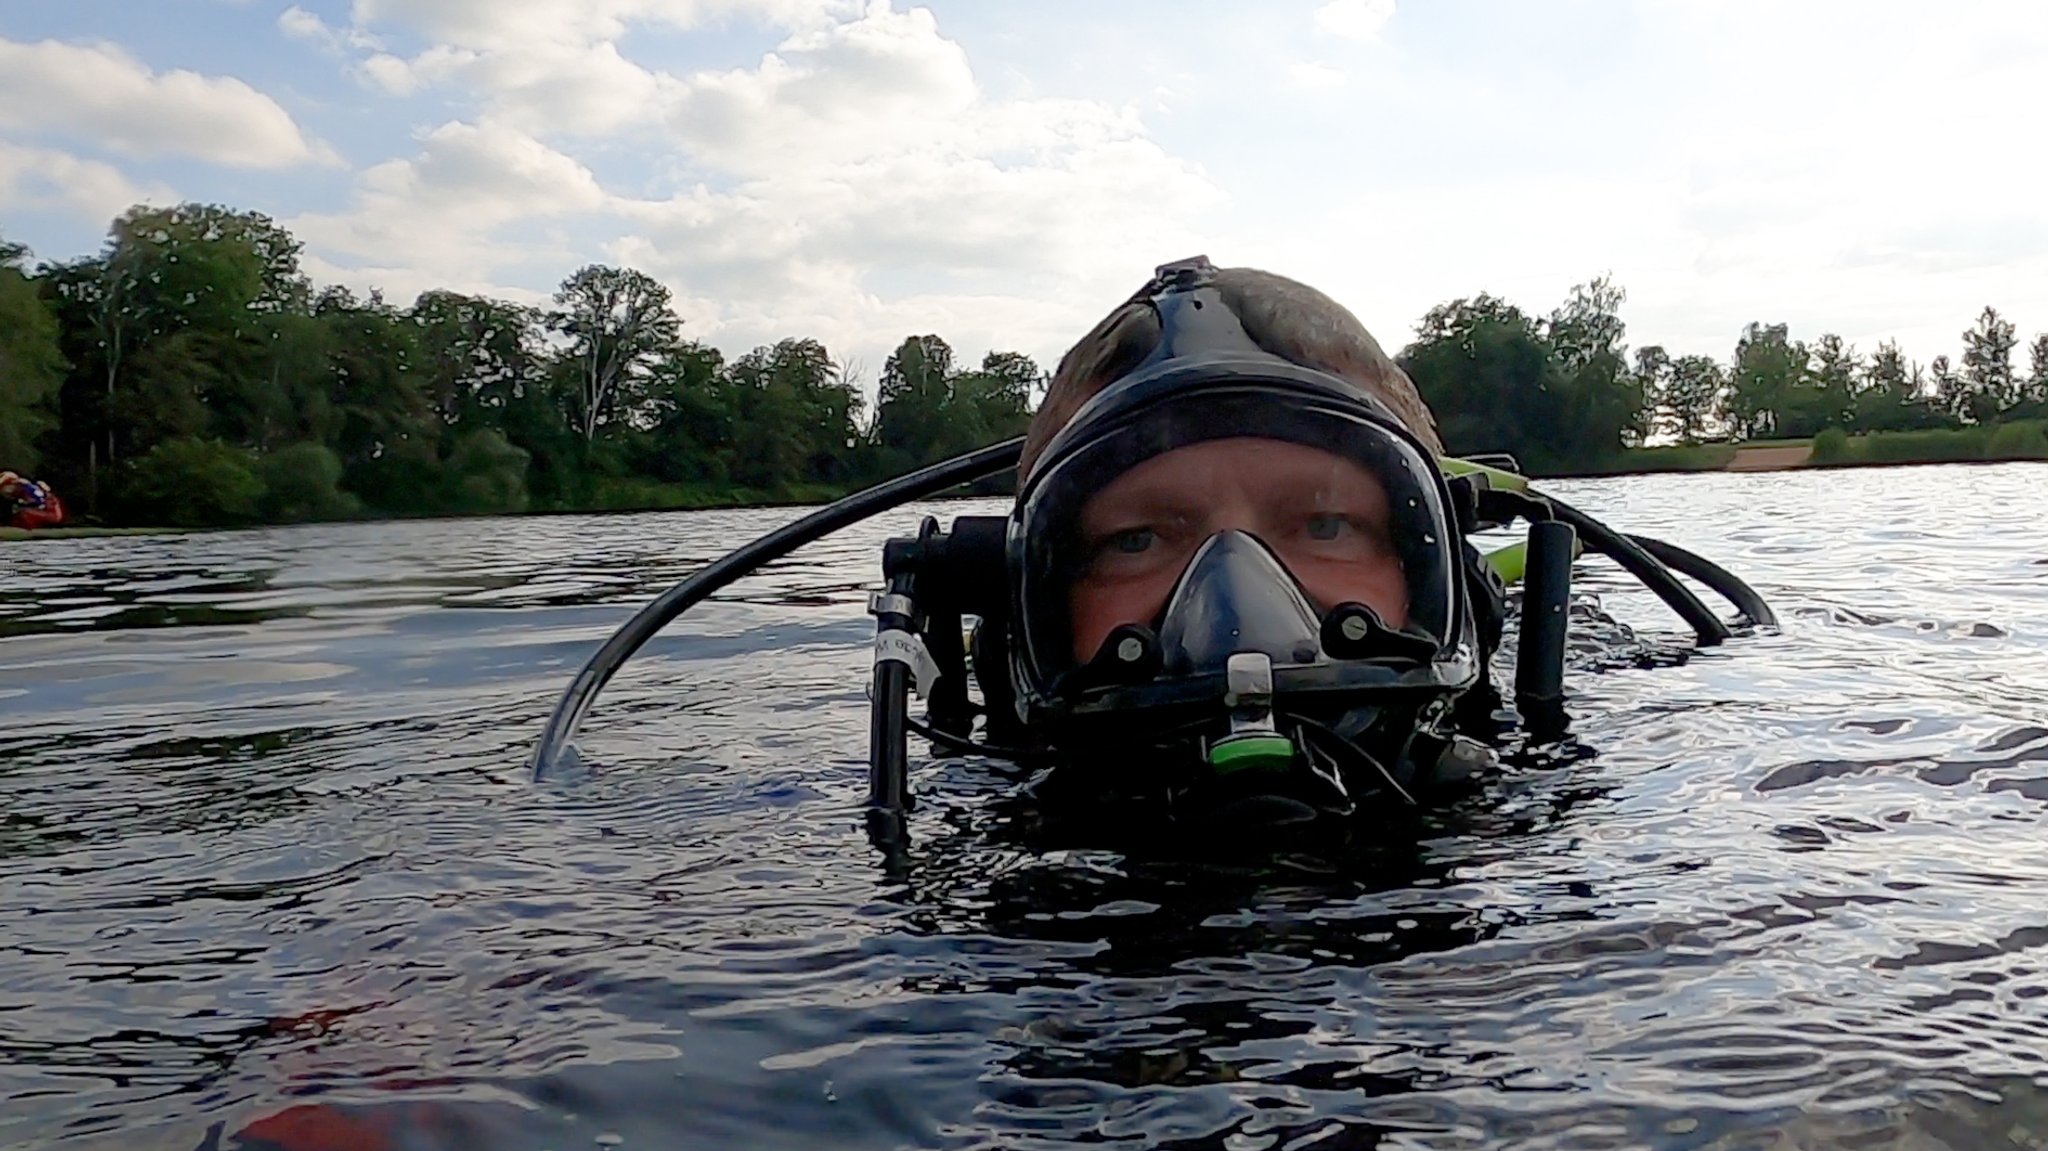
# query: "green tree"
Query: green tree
{"points": [[162, 327], [209, 279], [1587, 329], [911, 402], [693, 436], [929, 409], [1602, 401], [1653, 377], [1992, 385], [998, 395], [296, 357], [384, 428], [1694, 397], [616, 321], [1951, 391], [1496, 385], [31, 363], [1888, 375], [478, 357], [1823, 394], [2036, 394], [1023, 379], [1889, 394], [795, 416], [1766, 367]]}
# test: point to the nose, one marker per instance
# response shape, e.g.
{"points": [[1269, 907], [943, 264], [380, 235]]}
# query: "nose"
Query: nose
{"points": [[1233, 511], [1236, 597]]}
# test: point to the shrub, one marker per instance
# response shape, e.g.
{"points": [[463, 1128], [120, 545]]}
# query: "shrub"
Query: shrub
{"points": [[1831, 446], [403, 478], [2021, 441], [486, 474], [190, 483], [1938, 445], [303, 482]]}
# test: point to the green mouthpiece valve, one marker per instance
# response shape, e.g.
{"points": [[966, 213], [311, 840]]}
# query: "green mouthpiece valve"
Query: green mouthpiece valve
{"points": [[1251, 751]]}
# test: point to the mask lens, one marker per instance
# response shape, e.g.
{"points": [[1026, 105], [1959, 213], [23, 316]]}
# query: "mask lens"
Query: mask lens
{"points": [[1230, 522]]}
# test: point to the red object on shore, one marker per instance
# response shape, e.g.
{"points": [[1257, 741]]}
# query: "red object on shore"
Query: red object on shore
{"points": [[29, 503]]}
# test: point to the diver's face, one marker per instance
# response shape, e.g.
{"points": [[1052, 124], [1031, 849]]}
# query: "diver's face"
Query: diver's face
{"points": [[1326, 517]]}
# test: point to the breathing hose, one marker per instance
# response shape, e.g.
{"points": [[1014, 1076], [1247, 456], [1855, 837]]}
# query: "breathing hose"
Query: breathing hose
{"points": [[598, 670]]}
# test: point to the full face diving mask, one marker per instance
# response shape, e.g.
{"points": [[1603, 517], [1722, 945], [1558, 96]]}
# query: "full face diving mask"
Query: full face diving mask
{"points": [[1241, 689]]}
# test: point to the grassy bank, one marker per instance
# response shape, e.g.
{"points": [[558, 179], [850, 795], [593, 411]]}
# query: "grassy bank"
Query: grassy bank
{"points": [[1676, 458], [2026, 440], [80, 533], [1834, 448]]}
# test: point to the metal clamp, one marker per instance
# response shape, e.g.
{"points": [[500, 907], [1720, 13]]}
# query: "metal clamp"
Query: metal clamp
{"points": [[891, 603]]}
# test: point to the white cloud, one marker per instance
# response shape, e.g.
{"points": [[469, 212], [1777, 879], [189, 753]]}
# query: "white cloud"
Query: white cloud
{"points": [[494, 24], [300, 24], [441, 217], [42, 178], [1354, 19], [390, 73], [856, 185], [308, 27], [106, 95], [543, 88], [550, 66], [868, 146], [1316, 76], [885, 83]]}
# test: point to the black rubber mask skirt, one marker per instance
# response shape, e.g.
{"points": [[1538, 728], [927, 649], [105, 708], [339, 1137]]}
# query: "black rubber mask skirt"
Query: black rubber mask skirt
{"points": [[1235, 597]]}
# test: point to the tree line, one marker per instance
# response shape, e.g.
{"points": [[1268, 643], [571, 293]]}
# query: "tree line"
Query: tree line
{"points": [[1564, 393], [190, 373]]}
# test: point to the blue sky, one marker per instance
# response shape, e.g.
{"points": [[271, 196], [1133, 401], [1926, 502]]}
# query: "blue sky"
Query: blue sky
{"points": [[1001, 174]]}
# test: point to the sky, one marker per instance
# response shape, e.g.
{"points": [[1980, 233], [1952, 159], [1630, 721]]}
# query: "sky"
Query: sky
{"points": [[1002, 174]]}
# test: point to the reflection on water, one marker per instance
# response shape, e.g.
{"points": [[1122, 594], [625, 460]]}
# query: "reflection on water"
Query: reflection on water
{"points": [[267, 852]]}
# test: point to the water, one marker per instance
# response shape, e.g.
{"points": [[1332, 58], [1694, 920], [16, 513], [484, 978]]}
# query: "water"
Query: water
{"points": [[266, 842]]}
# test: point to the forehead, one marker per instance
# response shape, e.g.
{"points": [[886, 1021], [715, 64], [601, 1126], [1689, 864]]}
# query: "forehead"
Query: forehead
{"points": [[1252, 465]]}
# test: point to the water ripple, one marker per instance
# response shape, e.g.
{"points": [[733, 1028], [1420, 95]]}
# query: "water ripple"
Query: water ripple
{"points": [[268, 857]]}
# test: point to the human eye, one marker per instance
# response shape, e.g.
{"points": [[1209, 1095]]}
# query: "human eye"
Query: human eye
{"points": [[1342, 535], [1327, 527], [1132, 541], [1125, 552]]}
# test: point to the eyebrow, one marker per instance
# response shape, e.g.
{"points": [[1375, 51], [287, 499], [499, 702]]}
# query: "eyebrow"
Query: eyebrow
{"points": [[1145, 502]]}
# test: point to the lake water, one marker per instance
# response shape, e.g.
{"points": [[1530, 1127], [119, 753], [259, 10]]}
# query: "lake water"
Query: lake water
{"points": [[267, 841]]}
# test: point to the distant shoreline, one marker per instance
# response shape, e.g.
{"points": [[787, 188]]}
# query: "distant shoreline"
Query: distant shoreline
{"points": [[1877, 449], [1983, 444]]}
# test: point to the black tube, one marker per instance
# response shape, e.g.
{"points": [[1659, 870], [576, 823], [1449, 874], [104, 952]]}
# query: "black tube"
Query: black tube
{"points": [[888, 739], [1725, 583], [598, 670], [968, 745], [1546, 602], [1706, 626], [889, 712], [948, 706]]}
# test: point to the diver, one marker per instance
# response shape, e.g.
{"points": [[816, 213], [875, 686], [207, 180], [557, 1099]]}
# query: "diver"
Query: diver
{"points": [[1237, 587], [1230, 480]]}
